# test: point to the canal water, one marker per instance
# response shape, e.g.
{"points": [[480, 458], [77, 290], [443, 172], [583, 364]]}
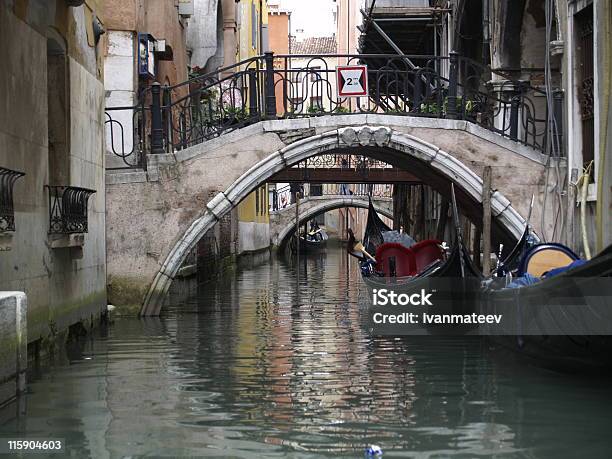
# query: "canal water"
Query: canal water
{"points": [[272, 361]]}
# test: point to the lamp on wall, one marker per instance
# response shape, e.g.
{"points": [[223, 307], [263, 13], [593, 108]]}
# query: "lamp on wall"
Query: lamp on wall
{"points": [[98, 29]]}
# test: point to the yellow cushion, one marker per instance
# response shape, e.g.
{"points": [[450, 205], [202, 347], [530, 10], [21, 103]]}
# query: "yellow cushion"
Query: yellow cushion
{"points": [[547, 259]]}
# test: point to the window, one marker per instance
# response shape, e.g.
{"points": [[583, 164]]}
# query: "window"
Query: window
{"points": [[586, 86], [58, 109], [315, 73]]}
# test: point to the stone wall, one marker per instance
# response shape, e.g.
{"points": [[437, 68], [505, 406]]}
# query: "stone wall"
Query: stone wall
{"points": [[64, 285], [13, 344]]}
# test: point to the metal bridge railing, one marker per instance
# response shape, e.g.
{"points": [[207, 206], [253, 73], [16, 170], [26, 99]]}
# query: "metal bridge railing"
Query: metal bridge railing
{"points": [[171, 118], [284, 196]]}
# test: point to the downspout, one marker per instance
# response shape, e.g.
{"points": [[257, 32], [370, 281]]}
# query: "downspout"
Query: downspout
{"points": [[348, 26], [261, 50]]}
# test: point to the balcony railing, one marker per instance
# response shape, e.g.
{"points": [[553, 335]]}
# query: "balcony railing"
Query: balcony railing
{"points": [[8, 178], [284, 196], [295, 86], [68, 209]]}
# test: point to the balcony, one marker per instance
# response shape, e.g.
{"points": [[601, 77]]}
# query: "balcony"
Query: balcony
{"points": [[68, 215], [8, 178]]}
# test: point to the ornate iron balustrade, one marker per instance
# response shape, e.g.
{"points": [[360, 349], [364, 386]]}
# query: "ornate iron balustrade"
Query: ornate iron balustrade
{"points": [[342, 161], [283, 197], [68, 209], [452, 87], [8, 178]]}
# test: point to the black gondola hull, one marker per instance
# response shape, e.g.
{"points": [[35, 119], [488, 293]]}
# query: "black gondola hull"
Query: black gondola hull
{"points": [[563, 322]]}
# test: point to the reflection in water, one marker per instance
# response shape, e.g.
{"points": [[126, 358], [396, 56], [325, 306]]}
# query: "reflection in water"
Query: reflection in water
{"points": [[265, 363]]}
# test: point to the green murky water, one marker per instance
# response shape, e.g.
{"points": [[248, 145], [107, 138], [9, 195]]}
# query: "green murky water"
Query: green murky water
{"points": [[261, 364]]}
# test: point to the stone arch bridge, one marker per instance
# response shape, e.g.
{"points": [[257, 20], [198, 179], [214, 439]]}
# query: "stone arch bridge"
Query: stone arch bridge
{"points": [[155, 218], [282, 221]]}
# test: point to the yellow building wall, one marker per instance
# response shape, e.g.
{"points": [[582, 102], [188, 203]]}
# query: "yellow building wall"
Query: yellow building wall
{"points": [[249, 210], [245, 30], [255, 207]]}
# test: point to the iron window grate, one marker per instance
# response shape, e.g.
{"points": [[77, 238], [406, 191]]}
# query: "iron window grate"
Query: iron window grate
{"points": [[8, 178], [68, 209]]}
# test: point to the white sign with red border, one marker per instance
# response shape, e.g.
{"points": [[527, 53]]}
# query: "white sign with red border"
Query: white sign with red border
{"points": [[352, 80]]}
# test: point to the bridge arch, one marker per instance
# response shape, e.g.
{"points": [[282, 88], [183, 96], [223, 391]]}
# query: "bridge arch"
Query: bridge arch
{"points": [[286, 228], [402, 149]]}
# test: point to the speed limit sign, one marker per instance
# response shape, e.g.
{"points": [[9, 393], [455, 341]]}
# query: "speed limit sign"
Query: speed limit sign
{"points": [[352, 80]]}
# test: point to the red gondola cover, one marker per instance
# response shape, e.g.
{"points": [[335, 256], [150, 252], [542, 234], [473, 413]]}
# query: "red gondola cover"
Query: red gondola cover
{"points": [[426, 252], [395, 260]]}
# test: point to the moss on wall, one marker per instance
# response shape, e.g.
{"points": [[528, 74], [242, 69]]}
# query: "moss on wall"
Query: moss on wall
{"points": [[127, 294]]}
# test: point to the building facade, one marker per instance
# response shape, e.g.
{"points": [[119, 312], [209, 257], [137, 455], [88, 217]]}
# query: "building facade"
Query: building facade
{"points": [[560, 49], [52, 187], [253, 213]]}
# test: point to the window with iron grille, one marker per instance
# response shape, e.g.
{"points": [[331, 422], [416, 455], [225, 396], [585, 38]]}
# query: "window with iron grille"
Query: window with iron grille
{"points": [[68, 209], [8, 178], [584, 21]]}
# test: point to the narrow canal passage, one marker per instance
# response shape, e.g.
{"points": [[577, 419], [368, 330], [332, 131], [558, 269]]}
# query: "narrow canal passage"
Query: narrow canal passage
{"points": [[261, 365]]}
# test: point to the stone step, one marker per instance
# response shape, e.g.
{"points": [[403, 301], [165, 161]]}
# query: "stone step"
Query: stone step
{"points": [[115, 162]]}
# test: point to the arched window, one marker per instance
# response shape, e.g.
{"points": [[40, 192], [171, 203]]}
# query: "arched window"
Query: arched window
{"points": [[58, 109]]}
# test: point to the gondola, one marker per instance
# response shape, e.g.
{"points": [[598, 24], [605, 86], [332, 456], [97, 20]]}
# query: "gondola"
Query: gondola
{"points": [[556, 309], [314, 240], [409, 268]]}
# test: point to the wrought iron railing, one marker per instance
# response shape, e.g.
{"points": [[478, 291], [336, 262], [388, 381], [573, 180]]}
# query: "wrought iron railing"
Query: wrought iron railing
{"points": [[293, 86], [68, 209], [128, 131], [342, 161], [8, 178], [284, 196]]}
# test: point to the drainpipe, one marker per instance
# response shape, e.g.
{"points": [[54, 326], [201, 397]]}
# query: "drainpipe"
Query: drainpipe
{"points": [[261, 50]]}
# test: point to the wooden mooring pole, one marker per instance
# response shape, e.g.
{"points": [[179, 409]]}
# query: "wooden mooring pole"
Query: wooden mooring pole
{"points": [[486, 220], [297, 224]]}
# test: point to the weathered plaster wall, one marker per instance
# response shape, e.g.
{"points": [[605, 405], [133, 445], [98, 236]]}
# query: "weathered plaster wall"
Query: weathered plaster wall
{"points": [[253, 236], [62, 288], [120, 85], [147, 217], [205, 34], [157, 17], [162, 20], [123, 14]]}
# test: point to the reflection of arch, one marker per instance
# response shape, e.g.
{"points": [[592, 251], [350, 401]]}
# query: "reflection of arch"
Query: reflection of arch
{"points": [[435, 166], [326, 206]]}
